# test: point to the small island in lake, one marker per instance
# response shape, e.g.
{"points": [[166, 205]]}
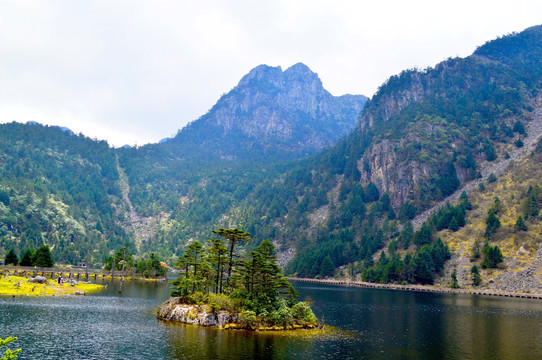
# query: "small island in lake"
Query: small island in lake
{"points": [[219, 288]]}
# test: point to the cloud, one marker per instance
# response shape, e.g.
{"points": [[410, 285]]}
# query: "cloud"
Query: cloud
{"points": [[136, 71]]}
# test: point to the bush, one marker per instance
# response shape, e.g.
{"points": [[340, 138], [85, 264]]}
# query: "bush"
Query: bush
{"points": [[491, 178], [249, 319], [224, 302], [302, 312], [281, 317], [198, 298]]}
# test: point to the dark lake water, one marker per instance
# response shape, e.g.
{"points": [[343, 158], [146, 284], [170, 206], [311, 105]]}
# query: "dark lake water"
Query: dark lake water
{"points": [[367, 324]]}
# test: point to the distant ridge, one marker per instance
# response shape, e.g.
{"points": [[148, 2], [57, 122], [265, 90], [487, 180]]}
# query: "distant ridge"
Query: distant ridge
{"points": [[272, 114]]}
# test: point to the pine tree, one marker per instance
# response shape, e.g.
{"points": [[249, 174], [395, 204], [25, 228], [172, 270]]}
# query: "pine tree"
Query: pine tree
{"points": [[327, 267], [454, 225], [492, 256], [454, 283], [218, 259], [43, 257], [28, 258], [492, 224], [11, 258], [520, 224], [475, 273], [233, 236]]}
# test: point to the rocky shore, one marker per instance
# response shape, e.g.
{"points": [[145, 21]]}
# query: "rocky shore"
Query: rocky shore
{"points": [[176, 310]]}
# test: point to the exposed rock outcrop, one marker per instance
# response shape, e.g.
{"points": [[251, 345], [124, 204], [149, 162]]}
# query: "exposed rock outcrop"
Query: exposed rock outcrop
{"points": [[175, 310], [272, 112], [38, 280]]}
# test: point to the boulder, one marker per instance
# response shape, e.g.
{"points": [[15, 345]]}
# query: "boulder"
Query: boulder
{"points": [[38, 280]]}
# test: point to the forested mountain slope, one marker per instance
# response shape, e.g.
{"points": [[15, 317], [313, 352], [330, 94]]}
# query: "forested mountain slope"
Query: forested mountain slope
{"points": [[271, 116], [60, 189], [422, 136], [515, 198], [80, 196]]}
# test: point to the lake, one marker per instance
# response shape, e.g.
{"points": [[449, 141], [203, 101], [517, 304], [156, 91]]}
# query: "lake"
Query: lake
{"points": [[362, 324]]}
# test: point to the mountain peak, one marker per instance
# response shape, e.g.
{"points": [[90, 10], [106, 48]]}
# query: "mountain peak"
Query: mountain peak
{"points": [[272, 111], [261, 73]]}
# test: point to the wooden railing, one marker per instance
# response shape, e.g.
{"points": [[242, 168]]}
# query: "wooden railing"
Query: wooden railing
{"points": [[66, 273]]}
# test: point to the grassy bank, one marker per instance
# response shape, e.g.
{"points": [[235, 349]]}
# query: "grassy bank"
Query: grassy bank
{"points": [[18, 285]]}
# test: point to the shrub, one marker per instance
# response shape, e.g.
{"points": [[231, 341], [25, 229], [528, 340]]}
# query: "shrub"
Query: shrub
{"points": [[302, 312], [520, 224], [224, 302], [198, 298], [249, 319]]}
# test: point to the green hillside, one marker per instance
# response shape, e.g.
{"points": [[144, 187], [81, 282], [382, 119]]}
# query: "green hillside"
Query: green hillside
{"points": [[357, 207], [58, 188]]}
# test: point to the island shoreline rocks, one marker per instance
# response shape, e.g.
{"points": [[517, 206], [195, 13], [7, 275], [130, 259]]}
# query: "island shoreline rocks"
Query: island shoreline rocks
{"points": [[177, 310]]}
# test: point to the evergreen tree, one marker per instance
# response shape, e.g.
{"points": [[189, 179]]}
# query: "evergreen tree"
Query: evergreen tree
{"points": [[327, 268], [475, 273], [492, 224], [423, 268], [28, 258], [43, 257], [492, 256], [371, 193], [8, 353], [520, 224], [423, 236], [519, 128], [218, 259], [465, 200], [233, 236], [454, 225], [11, 258], [454, 283]]}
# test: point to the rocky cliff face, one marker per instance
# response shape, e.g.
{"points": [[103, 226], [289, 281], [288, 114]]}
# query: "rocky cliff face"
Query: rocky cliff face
{"points": [[272, 111]]}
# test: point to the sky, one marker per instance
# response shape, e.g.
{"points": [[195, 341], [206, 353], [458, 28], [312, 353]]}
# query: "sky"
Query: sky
{"points": [[134, 72]]}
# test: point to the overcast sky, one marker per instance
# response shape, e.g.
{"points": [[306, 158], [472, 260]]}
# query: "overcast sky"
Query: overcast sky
{"points": [[133, 72]]}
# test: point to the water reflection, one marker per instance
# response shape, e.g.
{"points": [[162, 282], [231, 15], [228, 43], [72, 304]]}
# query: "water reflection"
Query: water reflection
{"points": [[373, 324]]}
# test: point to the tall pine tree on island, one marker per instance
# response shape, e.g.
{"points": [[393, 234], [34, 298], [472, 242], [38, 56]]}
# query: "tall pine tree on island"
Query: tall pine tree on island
{"points": [[257, 290]]}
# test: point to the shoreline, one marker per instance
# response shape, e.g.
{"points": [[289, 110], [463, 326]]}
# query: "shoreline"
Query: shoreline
{"points": [[175, 310], [11, 285], [420, 288]]}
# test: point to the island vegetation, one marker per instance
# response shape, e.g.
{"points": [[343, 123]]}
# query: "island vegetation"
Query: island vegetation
{"points": [[217, 286]]}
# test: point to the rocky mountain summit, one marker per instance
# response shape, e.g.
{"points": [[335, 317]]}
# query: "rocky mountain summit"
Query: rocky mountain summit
{"points": [[271, 113]]}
